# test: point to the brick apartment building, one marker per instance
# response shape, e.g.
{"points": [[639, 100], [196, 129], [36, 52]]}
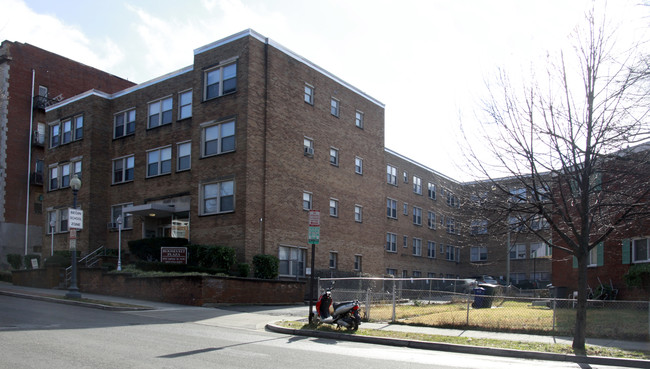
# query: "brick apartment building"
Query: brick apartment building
{"points": [[31, 79], [236, 149]]}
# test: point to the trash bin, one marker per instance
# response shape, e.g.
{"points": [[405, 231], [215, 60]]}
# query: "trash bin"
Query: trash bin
{"points": [[490, 291], [559, 293], [479, 297]]}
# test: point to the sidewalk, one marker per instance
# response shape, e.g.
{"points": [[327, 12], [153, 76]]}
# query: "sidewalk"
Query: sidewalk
{"points": [[42, 294]]}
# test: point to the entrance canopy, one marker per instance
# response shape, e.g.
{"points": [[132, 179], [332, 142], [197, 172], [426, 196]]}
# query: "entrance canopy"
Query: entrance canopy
{"points": [[150, 210]]}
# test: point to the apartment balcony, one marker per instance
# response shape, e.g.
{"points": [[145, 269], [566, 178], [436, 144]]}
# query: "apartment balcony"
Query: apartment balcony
{"points": [[38, 139], [36, 179], [42, 102]]}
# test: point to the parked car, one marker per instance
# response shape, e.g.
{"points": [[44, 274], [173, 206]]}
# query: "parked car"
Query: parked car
{"points": [[464, 285], [485, 279]]}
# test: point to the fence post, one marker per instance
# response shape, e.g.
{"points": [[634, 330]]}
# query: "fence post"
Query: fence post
{"points": [[554, 306], [468, 298], [368, 304], [393, 320]]}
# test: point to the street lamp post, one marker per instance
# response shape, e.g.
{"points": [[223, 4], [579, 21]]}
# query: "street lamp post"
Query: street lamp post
{"points": [[73, 290], [119, 243]]}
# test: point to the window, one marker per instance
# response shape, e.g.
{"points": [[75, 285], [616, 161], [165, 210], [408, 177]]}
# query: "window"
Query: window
{"points": [[417, 247], [539, 250], [159, 161], [391, 242], [60, 219], [335, 107], [391, 271], [640, 250], [358, 165], [78, 127], [51, 222], [66, 131], [308, 145], [391, 208], [391, 175], [309, 94], [358, 213], [538, 222], [334, 156], [358, 119], [518, 251], [117, 211], [452, 253], [478, 253], [76, 168], [333, 259], [55, 135], [518, 195], [451, 225], [65, 175], [220, 81], [184, 153], [405, 209], [431, 220], [334, 208], [123, 169], [54, 178], [66, 127], [292, 261], [160, 112], [417, 185], [185, 104], [417, 216], [61, 174], [431, 190], [306, 201], [478, 227], [357, 263], [516, 224], [406, 177], [593, 257], [218, 138], [124, 123], [452, 200], [431, 249], [218, 197], [405, 241]]}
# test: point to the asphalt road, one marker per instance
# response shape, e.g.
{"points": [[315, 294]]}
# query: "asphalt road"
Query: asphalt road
{"points": [[37, 334]]}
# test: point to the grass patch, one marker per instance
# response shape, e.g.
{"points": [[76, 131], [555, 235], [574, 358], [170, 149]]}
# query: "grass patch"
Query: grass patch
{"points": [[480, 342]]}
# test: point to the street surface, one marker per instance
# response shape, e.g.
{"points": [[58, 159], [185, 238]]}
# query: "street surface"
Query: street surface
{"points": [[37, 334]]}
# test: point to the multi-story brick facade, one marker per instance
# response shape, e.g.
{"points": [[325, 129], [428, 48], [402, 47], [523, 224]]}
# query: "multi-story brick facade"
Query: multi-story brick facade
{"points": [[30, 79]]}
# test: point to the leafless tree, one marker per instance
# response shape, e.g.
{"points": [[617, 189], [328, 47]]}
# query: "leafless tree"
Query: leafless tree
{"points": [[574, 141]]}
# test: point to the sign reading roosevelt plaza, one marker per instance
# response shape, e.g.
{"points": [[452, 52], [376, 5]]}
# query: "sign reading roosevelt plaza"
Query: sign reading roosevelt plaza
{"points": [[173, 255]]}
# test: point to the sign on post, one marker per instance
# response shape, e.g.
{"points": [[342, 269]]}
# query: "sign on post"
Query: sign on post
{"points": [[75, 218], [314, 227], [314, 218], [173, 255]]}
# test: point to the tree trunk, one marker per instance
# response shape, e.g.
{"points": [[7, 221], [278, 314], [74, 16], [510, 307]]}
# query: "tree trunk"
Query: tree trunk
{"points": [[579, 334]]}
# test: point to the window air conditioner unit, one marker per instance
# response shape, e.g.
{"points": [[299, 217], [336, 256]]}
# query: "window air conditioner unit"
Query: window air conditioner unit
{"points": [[112, 226], [309, 150]]}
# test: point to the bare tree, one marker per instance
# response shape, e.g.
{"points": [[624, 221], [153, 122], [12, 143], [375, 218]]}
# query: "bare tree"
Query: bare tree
{"points": [[574, 141]]}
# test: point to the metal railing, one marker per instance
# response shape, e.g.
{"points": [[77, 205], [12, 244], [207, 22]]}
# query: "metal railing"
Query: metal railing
{"points": [[89, 260], [451, 303]]}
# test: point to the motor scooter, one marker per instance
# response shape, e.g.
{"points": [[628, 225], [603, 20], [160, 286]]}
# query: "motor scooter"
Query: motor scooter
{"points": [[343, 314]]}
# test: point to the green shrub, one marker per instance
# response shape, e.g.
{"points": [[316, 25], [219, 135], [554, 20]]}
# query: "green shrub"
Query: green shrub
{"points": [[5, 276], [266, 266], [638, 276], [148, 266], [58, 260], [243, 270], [15, 260], [28, 260], [148, 249]]}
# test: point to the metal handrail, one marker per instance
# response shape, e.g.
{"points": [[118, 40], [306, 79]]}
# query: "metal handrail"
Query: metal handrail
{"points": [[91, 260]]}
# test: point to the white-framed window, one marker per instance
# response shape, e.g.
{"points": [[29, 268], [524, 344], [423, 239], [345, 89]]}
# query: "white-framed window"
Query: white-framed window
{"points": [[292, 261], [391, 175], [417, 216], [431, 190], [431, 249], [60, 219], [309, 94], [452, 200], [308, 147], [217, 197], [334, 156], [539, 250], [478, 226], [358, 119], [452, 253], [333, 260], [66, 131], [417, 247], [405, 177], [538, 222], [358, 263], [431, 220], [123, 169], [334, 208], [451, 225], [516, 224], [358, 213], [391, 271], [55, 135], [117, 211], [478, 253], [405, 209], [184, 104], [391, 208], [184, 156], [391, 242], [518, 251], [517, 195], [159, 161], [124, 123], [160, 112], [220, 80], [335, 107], [217, 138], [60, 174], [307, 200], [54, 178], [358, 165], [417, 185], [640, 250], [405, 241], [593, 257]]}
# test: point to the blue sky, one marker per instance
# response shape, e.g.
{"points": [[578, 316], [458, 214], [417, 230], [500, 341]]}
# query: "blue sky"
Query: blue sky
{"points": [[428, 60]]}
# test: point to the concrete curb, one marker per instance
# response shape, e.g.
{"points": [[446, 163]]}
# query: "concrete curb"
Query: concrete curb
{"points": [[464, 349], [74, 302]]}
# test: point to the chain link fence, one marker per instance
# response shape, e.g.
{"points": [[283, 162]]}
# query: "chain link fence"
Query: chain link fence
{"points": [[461, 303]]}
